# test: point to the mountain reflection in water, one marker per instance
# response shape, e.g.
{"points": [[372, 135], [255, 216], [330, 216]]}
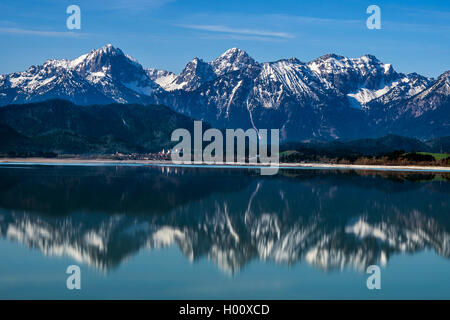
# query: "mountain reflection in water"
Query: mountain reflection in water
{"points": [[330, 219]]}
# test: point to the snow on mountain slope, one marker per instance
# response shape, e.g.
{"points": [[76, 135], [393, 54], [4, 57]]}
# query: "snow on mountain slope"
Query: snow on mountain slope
{"points": [[51, 80], [360, 79], [440, 87], [102, 76], [232, 60], [110, 70], [366, 78], [318, 99], [193, 75], [434, 98], [161, 77], [285, 76], [198, 72], [121, 78], [406, 87], [348, 74]]}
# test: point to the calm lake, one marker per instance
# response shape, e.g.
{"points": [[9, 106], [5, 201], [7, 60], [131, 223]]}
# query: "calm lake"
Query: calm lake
{"points": [[142, 232]]}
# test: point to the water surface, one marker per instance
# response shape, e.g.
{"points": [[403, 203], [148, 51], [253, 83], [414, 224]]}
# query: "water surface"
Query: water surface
{"points": [[187, 233]]}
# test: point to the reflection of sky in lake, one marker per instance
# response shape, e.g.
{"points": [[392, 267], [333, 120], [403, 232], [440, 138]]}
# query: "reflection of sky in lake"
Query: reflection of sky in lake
{"points": [[140, 232]]}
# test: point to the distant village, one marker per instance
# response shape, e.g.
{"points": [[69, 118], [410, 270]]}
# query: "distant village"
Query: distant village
{"points": [[161, 155]]}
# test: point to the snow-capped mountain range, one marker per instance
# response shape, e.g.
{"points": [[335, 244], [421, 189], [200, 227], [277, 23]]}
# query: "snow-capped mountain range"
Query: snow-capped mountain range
{"points": [[287, 220], [328, 98], [101, 76]]}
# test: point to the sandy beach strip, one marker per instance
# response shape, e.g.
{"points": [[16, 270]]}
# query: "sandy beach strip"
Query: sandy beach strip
{"points": [[99, 162]]}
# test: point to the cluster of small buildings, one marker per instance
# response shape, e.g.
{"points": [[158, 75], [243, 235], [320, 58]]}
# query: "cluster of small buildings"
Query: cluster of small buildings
{"points": [[161, 155]]}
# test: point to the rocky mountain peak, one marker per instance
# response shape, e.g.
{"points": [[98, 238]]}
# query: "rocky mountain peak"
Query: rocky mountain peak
{"points": [[231, 60], [108, 49], [440, 90], [445, 77], [105, 58], [193, 75], [370, 58]]}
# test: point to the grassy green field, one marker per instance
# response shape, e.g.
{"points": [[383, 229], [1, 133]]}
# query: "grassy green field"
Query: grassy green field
{"points": [[437, 156]]}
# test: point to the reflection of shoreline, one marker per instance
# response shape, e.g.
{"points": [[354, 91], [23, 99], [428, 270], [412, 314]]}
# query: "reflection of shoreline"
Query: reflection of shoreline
{"points": [[82, 161], [107, 240], [103, 215]]}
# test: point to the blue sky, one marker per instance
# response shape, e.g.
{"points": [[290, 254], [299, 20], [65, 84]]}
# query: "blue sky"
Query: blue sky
{"points": [[166, 34]]}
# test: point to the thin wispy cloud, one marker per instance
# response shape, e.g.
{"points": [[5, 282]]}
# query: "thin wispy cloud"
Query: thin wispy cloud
{"points": [[330, 22], [217, 36], [133, 5], [275, 20], [417, 27], [285, 18], [441, 14], [238, 31], [42, 33]]}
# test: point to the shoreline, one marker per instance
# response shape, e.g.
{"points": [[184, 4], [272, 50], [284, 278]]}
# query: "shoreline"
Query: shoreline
{"points": [[325, 166]]}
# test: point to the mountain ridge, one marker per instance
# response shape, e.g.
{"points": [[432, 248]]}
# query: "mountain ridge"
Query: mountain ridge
{"points": [[331, 97], [62, 127]]}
